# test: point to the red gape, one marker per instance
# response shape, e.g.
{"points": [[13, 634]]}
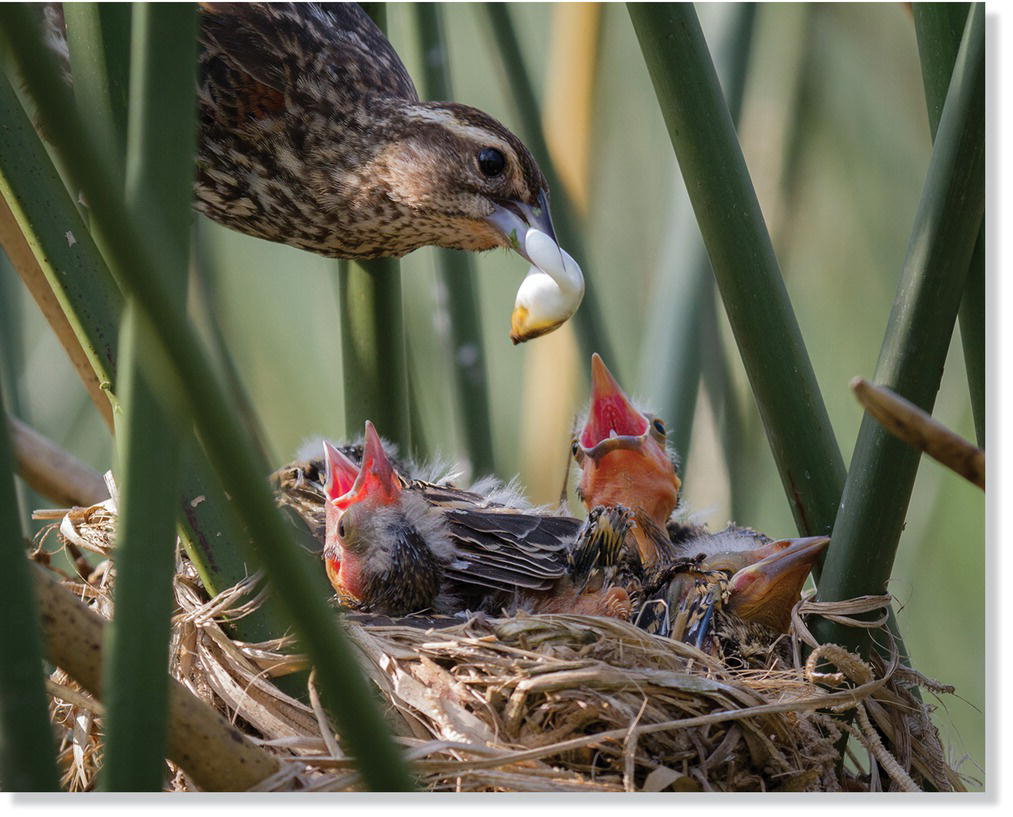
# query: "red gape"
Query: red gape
{"points": [[622, 453], [373, 484]]}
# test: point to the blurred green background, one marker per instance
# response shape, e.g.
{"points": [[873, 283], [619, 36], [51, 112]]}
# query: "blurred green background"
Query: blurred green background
{"points": [[836, 136]]}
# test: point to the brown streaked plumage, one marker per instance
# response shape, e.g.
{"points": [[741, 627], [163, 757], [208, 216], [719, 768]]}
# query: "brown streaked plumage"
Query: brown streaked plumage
{"points": [[312, 134]]}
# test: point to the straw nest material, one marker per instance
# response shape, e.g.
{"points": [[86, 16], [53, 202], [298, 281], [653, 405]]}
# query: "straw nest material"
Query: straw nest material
{"points": [[534, 702]]}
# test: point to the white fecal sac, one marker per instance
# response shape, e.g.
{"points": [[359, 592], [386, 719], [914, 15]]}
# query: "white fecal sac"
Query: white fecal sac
{"points": [[554, 285]]}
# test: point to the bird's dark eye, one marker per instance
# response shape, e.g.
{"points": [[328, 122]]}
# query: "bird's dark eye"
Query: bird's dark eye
{"points": [[491, 162], [341, 528], [659, 426]]}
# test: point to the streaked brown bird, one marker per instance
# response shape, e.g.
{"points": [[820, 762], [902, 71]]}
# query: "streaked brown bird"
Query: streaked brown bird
{"points": [[312, 134]]}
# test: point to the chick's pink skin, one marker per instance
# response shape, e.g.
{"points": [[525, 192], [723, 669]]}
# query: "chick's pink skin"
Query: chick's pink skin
{"points": [[373, 485], [622, 460]]}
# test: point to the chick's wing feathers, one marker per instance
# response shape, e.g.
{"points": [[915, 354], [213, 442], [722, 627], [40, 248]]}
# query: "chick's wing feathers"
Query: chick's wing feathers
{"points": [[505, 549]]}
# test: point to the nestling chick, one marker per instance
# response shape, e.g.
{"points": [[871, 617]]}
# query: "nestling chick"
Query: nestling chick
{"points": [[384, 546], [735, 584], [396, 546], [624, 461]]}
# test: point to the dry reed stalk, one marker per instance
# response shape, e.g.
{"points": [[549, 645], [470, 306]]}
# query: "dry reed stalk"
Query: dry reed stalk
{"points": [[215, 754], [919, 429], [51, 471]]}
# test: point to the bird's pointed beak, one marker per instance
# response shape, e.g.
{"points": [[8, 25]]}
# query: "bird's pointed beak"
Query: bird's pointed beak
{"points": [[513, 218], [340, 472], [376, 478], [554, 286], [612, 420], [766, 590]]}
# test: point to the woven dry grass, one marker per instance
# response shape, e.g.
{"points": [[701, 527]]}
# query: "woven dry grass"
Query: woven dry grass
{"points": [[533, 703]]}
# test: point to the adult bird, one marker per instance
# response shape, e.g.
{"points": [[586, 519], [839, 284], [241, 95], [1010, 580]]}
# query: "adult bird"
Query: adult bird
{"points": [[312, 134], [397, 546]]}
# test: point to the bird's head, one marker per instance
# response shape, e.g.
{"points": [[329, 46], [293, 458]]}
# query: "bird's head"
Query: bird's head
{"points": [[622, 453], [462, 180], [765, 590], [383, 545]]}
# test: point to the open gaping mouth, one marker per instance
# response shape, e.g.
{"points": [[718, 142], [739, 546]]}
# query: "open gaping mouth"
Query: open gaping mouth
{"points": [[612, 422]]}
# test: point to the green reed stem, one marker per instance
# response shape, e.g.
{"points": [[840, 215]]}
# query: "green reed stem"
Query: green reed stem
{"points": [[457, 272], [373, 362], [883, 469], [27, 745], [748, 276], [187, 380], [674, 349], [939, 27], [160, 150], [96, 36]]}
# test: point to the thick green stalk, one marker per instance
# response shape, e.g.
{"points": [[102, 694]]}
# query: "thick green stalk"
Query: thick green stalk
{"points": [[939, 27], [27, 746], [160, 149], [89, 296], [673, 344], [876, 495], [725, 403], [748, 276], [135, 667], [58, 237], [96, 33], [457, 272], [181, 368], [591, 330], [373, 360]]}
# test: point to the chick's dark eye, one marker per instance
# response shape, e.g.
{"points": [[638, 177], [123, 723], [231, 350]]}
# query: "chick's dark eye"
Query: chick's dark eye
{"points": [[659, 427], [491, 162], [341, 528]]}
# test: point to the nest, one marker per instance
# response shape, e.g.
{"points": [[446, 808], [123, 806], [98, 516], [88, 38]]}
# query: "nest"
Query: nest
{"points": [[532, 702]]}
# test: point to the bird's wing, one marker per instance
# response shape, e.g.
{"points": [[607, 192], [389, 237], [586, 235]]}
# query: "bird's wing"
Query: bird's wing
{"points": [[263, 54], [599, 543], [504, 549], [448, 496]]}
